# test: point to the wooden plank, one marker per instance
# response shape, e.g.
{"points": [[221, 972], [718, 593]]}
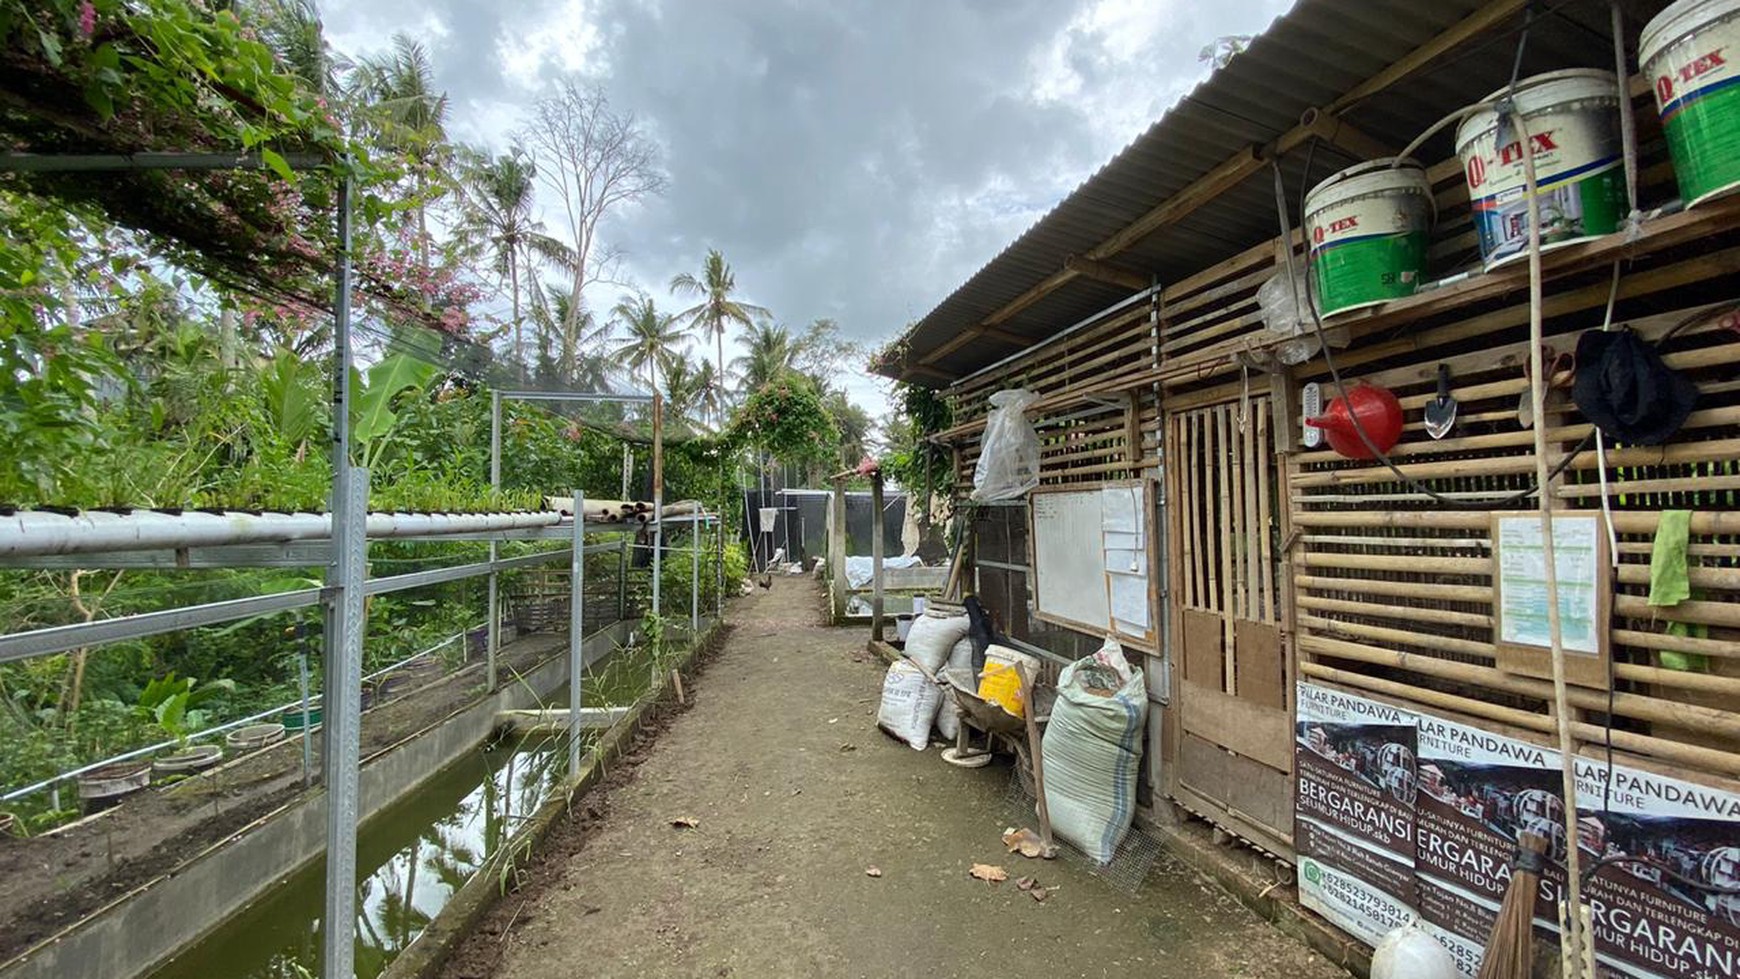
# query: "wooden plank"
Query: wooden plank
{"points": [[1202, 647], [1485, 19], [1260, 733], [1106, 272], [1265, 550], [1196, 759], [1261, 673], [1223, 473]]}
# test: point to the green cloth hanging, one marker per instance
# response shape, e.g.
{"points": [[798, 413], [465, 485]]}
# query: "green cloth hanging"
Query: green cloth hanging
{"points": [[1670, 583]]}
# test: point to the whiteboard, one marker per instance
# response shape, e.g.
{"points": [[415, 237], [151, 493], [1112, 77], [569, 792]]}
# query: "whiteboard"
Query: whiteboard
{"points": [[1069, 562], [1091, 559]]}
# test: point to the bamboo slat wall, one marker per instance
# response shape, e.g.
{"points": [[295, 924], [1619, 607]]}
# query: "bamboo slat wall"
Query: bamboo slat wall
{"points": [[1385, 590]]}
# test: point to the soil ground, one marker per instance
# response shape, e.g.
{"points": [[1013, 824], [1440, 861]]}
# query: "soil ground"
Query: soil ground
{"points": [[794, 794], [50, 881]]}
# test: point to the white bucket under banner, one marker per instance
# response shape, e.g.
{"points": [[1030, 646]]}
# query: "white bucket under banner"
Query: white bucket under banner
{"points": [[1688, 53], [1367, 227], [1572, 117]]}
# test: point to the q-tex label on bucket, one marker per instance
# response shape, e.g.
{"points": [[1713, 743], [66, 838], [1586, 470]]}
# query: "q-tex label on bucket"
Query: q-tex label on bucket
{"points": [[1697, 92], [1579, 177]]}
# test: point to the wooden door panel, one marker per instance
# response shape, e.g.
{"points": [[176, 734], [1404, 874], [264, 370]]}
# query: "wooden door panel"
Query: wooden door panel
{"points": [[1264, 734]]}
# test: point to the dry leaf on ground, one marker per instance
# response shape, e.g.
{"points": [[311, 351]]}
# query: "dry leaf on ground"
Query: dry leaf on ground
{"points": [[1040, 894], [685, 822], [872, 871], [1025, 842], [1026, 883], [989, 872]]}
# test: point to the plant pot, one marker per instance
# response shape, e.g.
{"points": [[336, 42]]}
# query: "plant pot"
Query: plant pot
{"points": [[254, 736], [193, 758], [293, 716], [106, 786]]}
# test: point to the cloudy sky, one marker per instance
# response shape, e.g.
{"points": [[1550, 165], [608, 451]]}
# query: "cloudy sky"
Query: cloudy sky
{"points": [[853, 159]]}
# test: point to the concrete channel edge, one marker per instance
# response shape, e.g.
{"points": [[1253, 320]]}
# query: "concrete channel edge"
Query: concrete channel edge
{"points": [[424, 957]]}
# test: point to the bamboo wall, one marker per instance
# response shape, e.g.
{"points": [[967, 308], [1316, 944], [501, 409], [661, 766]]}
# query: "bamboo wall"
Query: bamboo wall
{"points": [[1382, 589]]}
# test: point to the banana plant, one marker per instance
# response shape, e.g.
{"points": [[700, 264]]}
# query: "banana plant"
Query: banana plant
{"points": [[172, 703], [294, 400], [372, 417]]}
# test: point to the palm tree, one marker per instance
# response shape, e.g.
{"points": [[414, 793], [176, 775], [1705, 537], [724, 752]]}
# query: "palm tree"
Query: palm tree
{"points": [[716, 309], [711, 401], [406, 114], [592, 370], [496, 209], [685, 386], [770, 353], [651, 337], [292, 29]]}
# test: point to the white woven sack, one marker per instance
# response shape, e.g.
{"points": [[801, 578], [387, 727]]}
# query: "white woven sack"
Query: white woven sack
{"points": [[931, 638], [909, 704], [1092, 752]]}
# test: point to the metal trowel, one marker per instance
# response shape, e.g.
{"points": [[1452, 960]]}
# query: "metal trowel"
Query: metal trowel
{"points": [[1441, 411]]}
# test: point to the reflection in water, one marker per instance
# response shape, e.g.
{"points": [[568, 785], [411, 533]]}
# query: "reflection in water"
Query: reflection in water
{"points": [[410, 860]]}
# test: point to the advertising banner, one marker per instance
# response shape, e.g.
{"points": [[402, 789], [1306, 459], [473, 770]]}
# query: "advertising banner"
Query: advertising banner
{"points": [[1665, 892], [1354, 810]]}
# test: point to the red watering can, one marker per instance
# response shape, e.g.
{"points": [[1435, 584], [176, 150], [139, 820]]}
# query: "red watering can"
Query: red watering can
{"points": [[1379, 414]]}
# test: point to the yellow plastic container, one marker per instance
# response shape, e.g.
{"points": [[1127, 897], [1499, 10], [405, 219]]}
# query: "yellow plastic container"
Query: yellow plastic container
{"points": [[1000, 681]]}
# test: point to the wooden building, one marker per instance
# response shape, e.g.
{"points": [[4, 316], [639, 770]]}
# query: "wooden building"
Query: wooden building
{"points": [[1131, 310]]}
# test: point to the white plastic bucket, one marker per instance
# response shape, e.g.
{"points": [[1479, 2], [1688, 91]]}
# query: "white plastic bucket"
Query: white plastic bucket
{"points": [[1687, 52], [902, 626], [1573, 120], [1367, 227], [918, 604]]}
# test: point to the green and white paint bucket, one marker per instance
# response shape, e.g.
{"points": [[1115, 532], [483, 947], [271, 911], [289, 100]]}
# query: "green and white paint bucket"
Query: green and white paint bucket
{"points": [[1367, 227], [1687, 53], [1573, 120]]}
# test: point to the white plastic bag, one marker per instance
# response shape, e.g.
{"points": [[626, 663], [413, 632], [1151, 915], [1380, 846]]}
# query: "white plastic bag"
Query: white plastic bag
{"points": [[1009, 459], [1410, 952], [932, 636], [909, 704], [1091, 750]]}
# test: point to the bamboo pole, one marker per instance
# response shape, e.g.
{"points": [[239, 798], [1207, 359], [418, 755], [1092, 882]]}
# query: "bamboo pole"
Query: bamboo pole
{"points": [[1695, 756], [1408, 613], [1264, 553], [1425, 590], [1708, 719], [1224, 603]]}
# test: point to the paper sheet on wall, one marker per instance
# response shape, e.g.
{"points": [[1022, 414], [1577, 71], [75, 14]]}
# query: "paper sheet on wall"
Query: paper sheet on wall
{"points": [[1126, 561], [1118, 540], [1130, 601], [1120, 510], [1523, 582]]}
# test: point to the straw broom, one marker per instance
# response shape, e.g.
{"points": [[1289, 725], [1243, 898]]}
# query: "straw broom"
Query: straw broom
{"points": [[1510, 950]]}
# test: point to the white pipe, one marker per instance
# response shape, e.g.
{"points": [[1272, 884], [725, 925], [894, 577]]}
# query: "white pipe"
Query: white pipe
{"points": [[31, 533]]}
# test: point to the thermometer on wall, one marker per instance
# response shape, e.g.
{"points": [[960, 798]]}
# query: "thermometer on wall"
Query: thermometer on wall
{"points": [[1310, 406]]}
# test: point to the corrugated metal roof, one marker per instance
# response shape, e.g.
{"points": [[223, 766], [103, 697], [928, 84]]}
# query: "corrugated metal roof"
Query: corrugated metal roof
{"points": [[1306, 59]]}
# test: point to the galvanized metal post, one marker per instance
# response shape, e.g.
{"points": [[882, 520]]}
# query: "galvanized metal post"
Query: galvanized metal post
{"points": [[493, 644], [576, 631], [622, 559], [307, 728], [658, 475], [342, 665], [695, 571]]}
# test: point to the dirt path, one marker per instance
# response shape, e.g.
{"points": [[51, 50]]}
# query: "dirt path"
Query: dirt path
{"points": [[771, 881]]}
